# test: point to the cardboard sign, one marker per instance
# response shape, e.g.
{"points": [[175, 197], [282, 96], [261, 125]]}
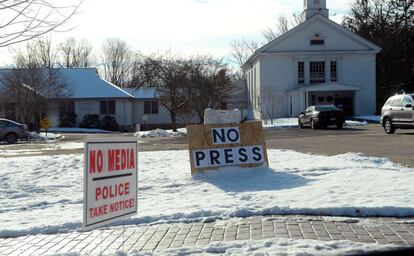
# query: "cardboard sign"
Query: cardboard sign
{"points": [[212, 146], [110, 186]]}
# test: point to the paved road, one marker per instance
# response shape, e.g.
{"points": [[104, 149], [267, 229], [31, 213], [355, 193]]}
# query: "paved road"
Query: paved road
{"points": [[370, 140], [160, 237]]}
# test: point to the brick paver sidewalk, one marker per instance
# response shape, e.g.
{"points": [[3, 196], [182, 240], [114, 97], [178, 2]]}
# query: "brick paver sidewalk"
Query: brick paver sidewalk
{"points": [[160, 237]]}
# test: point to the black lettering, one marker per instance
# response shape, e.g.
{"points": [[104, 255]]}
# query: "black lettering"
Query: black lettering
{"points": [[221, 136], [199, 155], [228, 155], [235, 133], [258, 154], [214, 157], [243, 155]]}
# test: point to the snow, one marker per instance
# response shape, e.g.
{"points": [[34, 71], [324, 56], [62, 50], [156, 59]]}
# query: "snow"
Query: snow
{"points": [[142, 93], [77, 130], [280, 247], [369, 118], [159, 133], [33, 136], [44, 194], [282, 123]]}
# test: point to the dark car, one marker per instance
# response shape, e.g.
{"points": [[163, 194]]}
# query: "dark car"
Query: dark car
{"points": [[11, 131], [322, 116], [398, 113]]}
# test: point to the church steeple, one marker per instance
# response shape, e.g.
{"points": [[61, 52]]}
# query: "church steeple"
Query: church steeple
{"points": [[313, 7]]}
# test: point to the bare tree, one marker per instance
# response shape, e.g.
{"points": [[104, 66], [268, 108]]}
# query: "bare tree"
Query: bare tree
{"points": [[117, 61], [32, 90], [283, 25], [210, 84], [23, 20], [270, 97], [241, 50], [76, 54], [39, 53]]}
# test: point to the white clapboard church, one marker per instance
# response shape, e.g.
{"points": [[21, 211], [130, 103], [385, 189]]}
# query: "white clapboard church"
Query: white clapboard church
{"points": [[316, 63]]}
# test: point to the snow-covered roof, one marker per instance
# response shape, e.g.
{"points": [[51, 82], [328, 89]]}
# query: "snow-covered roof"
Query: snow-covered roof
{"points": [[85, 83], [142, 93]]}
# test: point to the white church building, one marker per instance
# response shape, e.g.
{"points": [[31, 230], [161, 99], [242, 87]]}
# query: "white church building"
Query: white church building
{"points": [[316, 63]]}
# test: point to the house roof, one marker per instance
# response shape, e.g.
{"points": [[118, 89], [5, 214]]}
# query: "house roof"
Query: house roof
{"points": [[266, 48], [85, 83], [142, 93]]}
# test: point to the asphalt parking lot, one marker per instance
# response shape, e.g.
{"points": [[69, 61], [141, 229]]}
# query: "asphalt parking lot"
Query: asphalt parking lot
{"points": [[370, 140]]}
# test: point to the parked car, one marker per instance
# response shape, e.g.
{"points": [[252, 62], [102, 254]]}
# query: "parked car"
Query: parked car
{"points": [[322, 116], [11, 131], [398, 113]]}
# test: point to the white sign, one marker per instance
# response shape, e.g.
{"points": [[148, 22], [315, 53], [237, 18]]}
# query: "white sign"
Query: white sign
{"points": [[228, 156], [110, 186], [226, 135]]}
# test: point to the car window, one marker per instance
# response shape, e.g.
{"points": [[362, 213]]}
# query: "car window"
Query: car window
{"points": [[407, 100], [389, 102], [396, 102], [326, 108], [3, 123]]}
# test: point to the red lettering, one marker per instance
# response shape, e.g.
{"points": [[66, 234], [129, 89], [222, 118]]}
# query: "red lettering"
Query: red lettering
{"points": [[92, 167], [111, 191], [97, 193], [100, 161], [123, 159], [111, 160], [131, 164], [117, 159]]}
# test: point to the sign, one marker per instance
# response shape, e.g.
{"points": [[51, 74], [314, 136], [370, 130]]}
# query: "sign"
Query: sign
{"points": [[110, 184], [218, 145]]}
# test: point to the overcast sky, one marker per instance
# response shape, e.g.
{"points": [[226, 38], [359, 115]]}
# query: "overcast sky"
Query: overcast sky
{"points": [[183, 26]]}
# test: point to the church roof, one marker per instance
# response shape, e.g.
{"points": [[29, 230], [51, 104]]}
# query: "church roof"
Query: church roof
{"points": [[267, 48]]}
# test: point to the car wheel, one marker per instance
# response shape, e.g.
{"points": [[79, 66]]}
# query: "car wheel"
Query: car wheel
{"points": [[11, 138], [313, 125], [388, 126], [339, 126]]}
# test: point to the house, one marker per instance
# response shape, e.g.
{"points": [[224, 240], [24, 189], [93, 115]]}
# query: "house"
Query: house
{"points": [[90, 94], [316, 63]]}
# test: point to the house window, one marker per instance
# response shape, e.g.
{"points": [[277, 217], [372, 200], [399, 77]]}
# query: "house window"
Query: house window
{"points": [[317, 72], [108, 107], [317, 41], [66, 107], [334, 74], [301, 72], [150, 107]]}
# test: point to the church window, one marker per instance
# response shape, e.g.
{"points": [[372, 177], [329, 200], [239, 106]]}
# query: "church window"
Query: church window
{"points": [[301, 72], [317, 72], [317, 41], [334, 72]]}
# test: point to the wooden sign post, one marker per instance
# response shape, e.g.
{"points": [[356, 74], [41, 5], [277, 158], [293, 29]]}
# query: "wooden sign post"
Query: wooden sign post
{"points": [[217, 145]]}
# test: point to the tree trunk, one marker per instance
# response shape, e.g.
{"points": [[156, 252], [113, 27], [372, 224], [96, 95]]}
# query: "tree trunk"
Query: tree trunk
{"points": [[173, 121]]}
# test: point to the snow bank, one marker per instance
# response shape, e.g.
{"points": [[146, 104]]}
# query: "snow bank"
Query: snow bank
{"points": [[375, 119], [33, 136], [159, 133], [280, 247], [76, 130], [283, 123]]}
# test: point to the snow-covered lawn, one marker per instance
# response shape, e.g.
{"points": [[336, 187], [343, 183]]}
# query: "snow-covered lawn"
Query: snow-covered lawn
{"points": [[44, 194]]}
